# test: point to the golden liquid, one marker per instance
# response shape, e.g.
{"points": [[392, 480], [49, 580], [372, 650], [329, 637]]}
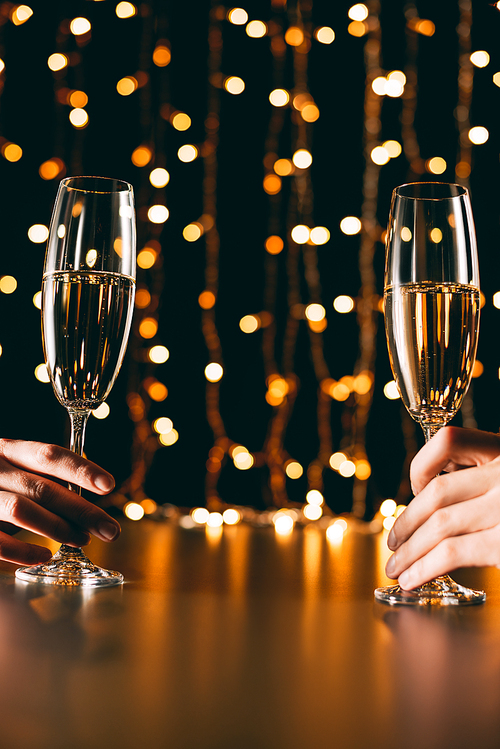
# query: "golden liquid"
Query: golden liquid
{"points": [[86, 320], [432, 331]]}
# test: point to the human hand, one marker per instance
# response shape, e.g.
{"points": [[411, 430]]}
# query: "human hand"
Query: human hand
{"points": [[30, 500], [454, 519]]}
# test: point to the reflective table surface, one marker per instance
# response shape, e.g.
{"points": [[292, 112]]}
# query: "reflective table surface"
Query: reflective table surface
{"points": [[242, 639]]}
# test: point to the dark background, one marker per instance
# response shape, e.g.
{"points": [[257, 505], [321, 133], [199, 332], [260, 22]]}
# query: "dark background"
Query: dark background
{"points": [[32, 117]]}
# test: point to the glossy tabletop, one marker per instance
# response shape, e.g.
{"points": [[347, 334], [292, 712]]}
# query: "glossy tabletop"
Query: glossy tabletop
{"points": [[242, 639]]}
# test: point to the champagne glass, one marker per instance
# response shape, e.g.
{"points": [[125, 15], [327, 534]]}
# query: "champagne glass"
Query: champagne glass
{"points": [[432, 323], [88, 290]]}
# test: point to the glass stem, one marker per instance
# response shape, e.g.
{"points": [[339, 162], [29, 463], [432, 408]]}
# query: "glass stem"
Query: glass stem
{"points": [[78, 421], [430, 430]]}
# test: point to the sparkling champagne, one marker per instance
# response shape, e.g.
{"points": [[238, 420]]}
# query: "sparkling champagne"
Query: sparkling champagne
{"points": [[432, 331], [86, 322]]}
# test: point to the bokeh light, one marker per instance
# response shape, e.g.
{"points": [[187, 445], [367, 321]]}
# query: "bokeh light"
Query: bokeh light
{"points": [[358, 12], [38, 233], [314, 497], [159, 177], [478, 135], [158, 214], [315, 312], [125, 10], [256, 29], [391, 390], [350, 225], [274, 244], [133, 511], [343, 304], [161, 56], [79, 26], [20, 14], [272, 184], [141, 156], [206, 300], [436, 165], [78, 118], [234, 85], [279, 97], [41, 373], [237, 16], [187, 153], [312, 512], [294, 36], [249, 324], [302, 158], [192, 232], [379, 155], [300, 234], [158, 354], [127, 85], [293, 469], [101, 412], [388, 507], [213, 372], [57, 61], [148, 327], [181, 121], [12, 152], [8, 284], [325, 34], [480, 58], [319, 235]]}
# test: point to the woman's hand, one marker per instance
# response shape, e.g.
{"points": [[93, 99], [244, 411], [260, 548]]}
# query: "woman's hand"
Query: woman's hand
{"points": [[454, 519], [29, 499]]}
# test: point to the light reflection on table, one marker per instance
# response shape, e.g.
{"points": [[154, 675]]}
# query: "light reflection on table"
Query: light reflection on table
{"points": [[242, 638]]}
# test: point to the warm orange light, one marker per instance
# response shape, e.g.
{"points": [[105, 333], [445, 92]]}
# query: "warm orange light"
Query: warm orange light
{"points": [[237, 16], [79, 118], [358, 12], [319, 235], [362, 383], [350, 225], [78, 99], [283, 167], [142, 298], [422, 26], [12, 152], [148, 327], [181, 121], [294, 36], [157, 391], [192, 232], [463, 170], [315, 312], [340, 392], [478, 135], [310, 113], [127, 85], [272, 184], [213, 372], [141, 156], [146, 258], [162, 56], [274, 244], [293, 469], [357, 28], [206, 300], [477, 369], [436, 165]]}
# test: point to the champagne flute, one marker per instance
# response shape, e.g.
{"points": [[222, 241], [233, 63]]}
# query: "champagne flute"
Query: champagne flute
{"points": [[88, 290], [432, 323]]}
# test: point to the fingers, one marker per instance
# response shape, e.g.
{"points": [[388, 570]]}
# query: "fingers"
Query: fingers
{"points": [[472, 550], [19, 552], [23, 513], [451, 445], [57, 462], [467, 517], [443, 491]]}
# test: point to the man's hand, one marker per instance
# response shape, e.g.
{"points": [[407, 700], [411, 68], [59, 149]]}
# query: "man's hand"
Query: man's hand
{"points": [[30, 500], [454, 519]]}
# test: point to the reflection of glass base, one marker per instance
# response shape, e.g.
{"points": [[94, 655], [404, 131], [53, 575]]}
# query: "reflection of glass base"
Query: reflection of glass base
{"points": [[443, 591], [69, 566]]}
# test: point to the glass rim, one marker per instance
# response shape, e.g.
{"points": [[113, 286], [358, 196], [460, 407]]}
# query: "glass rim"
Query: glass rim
{"points": [[460, 191], [124, 186]]}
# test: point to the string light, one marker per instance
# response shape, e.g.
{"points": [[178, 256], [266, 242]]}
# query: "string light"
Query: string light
{"points": [[324, 34], [234, 85], [350, 225], [12, 152], [79, 26], [187, 153], [159, 177], [237, 16], [125, 10], [127, 85], [279, 97], [256, 29]]}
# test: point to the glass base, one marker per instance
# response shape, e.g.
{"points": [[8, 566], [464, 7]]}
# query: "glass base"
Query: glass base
{"points": [[71, 567], [443, 591]]}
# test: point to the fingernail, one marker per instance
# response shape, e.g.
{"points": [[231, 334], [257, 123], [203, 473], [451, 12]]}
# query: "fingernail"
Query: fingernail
{"points": [[108, 530], [404, 579], [390, 566], [104, 482], [391, 540]]}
